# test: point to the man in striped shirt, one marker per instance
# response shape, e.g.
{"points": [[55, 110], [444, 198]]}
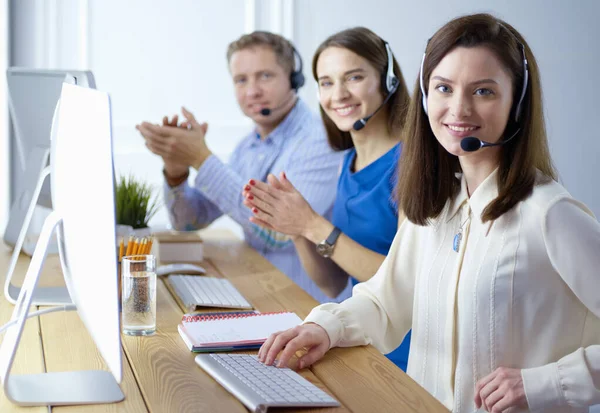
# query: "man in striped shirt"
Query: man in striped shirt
{"points": [[287, 137]]}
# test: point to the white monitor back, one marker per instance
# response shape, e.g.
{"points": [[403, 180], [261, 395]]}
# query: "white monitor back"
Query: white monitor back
{"points": [[83, 194]]}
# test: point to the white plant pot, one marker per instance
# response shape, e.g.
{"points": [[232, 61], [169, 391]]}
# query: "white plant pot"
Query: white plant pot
{"points": [[126, 231]]}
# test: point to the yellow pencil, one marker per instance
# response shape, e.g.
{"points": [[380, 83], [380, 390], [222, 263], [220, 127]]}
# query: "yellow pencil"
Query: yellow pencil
{"points": [[149, 248], [134, 250], [129, 246], [121, 248], [143, 246]]}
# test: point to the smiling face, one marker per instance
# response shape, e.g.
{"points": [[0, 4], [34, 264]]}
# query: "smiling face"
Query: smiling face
{"points": [[470, 94], [349, 86], [260, 82]]}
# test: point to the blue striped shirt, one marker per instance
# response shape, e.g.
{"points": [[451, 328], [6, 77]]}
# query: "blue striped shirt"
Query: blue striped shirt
{"points": [[298, 146]]}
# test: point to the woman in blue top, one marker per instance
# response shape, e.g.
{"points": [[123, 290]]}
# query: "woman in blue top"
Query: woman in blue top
{"points": [[364, 101]]}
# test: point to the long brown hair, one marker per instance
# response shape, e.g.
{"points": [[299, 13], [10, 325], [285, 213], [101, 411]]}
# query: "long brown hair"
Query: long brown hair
{"points": [[427, 171], [371, 47]]}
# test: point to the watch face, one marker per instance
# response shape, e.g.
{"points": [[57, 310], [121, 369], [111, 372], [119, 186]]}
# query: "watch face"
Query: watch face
{"points": [[324, 249]]}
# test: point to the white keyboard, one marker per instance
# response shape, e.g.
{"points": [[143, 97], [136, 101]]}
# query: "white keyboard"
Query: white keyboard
{"points": [[259, 387], [203, 291]]}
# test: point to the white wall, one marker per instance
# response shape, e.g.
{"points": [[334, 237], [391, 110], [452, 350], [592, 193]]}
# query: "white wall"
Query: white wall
{"points": [[4, 141], [153, 56]]}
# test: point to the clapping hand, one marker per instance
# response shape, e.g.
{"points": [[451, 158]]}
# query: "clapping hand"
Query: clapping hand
{"points": [[278, 205], [183, 144]]}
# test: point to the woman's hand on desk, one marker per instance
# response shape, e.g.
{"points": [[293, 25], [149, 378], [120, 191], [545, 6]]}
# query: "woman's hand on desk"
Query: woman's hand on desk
{"points": [[310, 336], [278, 206]]}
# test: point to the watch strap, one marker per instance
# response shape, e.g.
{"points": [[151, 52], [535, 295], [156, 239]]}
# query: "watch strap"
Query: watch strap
{"points": [[177, 180], [332, 238]]}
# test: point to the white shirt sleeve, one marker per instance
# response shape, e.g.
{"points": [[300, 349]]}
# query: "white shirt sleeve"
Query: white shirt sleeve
{"points": [[380, 309], [572, 238]]}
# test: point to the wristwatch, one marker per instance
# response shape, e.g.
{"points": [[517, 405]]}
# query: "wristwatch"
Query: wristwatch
{"points": [[325, 247]]}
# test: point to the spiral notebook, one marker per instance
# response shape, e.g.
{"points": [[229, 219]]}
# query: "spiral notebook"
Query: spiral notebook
{"points": [[232, 331]]}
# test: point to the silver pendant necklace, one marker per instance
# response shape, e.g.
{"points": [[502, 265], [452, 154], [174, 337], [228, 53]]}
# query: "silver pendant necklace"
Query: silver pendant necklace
{"points": [[459, 234]]}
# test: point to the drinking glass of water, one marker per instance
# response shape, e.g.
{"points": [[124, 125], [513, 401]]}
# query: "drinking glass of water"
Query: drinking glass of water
{"points": [[138, 295]]}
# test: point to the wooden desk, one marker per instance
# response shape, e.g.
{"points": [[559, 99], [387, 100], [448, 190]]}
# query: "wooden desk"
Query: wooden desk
{"points": [[159, 371]]}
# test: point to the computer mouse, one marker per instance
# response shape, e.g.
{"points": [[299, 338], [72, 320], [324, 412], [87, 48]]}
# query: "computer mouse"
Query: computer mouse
{"points": [[182, 268]]}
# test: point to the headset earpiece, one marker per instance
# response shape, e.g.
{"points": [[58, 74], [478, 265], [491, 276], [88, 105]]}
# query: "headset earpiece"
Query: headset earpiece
{"points": [[390, 81], [297, 77], [421, 83]]}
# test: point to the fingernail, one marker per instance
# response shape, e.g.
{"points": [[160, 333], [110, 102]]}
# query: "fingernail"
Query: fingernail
{"points": [[255, 210], [252, 182], [250, 197], [301, 365], [247, 187], [284, 175]]}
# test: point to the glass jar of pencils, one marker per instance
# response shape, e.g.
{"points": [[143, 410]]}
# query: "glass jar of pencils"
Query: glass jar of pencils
{"points": [[129, 246]]}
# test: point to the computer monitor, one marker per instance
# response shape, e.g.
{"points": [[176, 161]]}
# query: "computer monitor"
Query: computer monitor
{"points": [[33, 95], [84, 220]]}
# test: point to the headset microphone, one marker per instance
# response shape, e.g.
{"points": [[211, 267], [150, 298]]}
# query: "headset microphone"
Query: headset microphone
{"points": [[472, 144], [267, 111], [359, 124]]}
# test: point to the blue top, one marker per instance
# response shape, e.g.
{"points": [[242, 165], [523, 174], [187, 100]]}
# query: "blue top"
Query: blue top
{"points": [[298, 146], [365, 210]]}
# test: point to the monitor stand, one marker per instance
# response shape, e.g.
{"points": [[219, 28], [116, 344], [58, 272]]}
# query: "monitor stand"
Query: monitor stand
{"points": [[38, 161], [55, 389]]}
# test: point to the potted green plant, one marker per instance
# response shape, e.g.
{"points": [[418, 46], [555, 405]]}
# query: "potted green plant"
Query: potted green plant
{"points": [[136, 204]]}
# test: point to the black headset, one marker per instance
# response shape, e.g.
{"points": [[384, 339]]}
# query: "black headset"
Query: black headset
{"points": [[296, 77]]}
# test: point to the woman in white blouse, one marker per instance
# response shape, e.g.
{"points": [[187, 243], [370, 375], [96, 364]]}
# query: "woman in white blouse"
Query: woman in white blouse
{"points": [[497, 267]]}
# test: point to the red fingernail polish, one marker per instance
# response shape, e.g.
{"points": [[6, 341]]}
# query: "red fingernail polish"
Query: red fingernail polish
{"points": [[255, 210], [284, 175], [247, 187], [252, 182], [250, 197]]}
